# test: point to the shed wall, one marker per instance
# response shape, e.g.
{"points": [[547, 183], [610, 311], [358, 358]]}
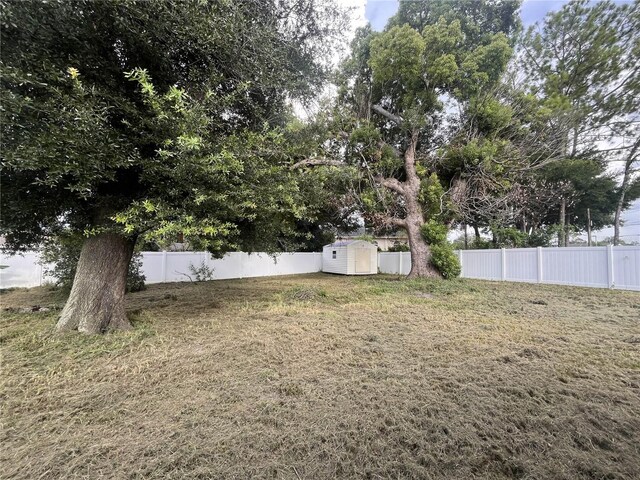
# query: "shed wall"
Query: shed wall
{"points": [[334, 265]]}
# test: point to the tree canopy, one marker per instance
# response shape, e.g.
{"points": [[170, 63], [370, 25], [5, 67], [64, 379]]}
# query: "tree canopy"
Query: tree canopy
{"points": [[393, 113], [508, 130], [131, 118], [583, 63], [151, 110]]}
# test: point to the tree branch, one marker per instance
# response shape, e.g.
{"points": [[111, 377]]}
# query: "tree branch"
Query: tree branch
{"points": [[391, 184], [410, 161], [314, 162], [394, 118], [389, 221]]}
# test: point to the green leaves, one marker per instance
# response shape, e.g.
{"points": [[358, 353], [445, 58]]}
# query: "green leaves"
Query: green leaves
{"points": [[410, 69], [445, 260], [156, 118], [397, 63], [434, 232], [443, 70], [584, 61], [61, 132], [484, 65], [443, 257]]}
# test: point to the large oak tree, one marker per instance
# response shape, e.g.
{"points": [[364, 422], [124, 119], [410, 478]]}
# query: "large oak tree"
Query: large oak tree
{"points": [[129, 118]]}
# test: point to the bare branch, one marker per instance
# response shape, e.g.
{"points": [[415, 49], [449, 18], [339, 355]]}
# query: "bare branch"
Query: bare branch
{"points": [[314, 162], [385, 113]]}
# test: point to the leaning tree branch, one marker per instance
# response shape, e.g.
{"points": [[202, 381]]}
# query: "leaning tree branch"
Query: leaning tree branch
{"points": [[314, 162], [387, 114], [389, 221], [391, 184]]}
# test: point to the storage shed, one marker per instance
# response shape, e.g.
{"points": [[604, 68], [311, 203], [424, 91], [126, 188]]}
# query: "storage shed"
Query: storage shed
{"points": [[352, 257]]}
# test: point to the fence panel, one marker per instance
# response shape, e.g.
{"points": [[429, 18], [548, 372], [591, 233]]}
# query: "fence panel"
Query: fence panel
{"points": [[626, 268], [232, 265], [158, 267], [521, 265], [581, 266], [484, 264], [397, 263], [604, 267], [153, 266]]}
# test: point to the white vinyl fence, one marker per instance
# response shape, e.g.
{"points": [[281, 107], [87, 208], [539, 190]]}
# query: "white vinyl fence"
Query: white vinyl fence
{"points": [[158, 267], [23, 270], [605, 267]]}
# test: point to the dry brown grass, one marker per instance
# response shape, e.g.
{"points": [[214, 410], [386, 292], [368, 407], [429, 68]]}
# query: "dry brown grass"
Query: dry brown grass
{"points": [[323, 376]]}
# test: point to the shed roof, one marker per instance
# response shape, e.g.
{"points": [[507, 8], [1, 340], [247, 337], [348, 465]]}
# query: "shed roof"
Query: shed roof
{"points": [[344, 243]]}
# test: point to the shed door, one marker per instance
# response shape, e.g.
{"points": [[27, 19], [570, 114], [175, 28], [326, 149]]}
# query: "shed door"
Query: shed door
{"points": [[363, 260]]}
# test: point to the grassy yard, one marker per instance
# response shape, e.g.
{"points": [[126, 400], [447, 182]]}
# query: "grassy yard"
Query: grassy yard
{"points": [[322, 376]]}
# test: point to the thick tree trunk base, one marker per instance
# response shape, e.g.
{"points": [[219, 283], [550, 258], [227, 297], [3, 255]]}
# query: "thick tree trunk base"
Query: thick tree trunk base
{"points": [[424, 270], [420, 253], [96, 302]]}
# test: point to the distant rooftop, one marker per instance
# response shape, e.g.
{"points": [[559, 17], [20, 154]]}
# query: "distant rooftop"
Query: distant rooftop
{"points": [[344, 243]]}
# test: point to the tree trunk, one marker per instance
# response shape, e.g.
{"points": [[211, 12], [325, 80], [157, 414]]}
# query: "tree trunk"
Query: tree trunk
{"points": [[466, 238], [561, 232], [476, 231], [420, 253], [588, 227], [616, 219], [96, 302], [409, 190]]}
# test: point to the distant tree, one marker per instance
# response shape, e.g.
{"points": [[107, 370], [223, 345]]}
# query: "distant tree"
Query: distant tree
{"points": [[587, 186], [630, 186], [389, 115], [137, 118], [502, 139], [479, 19], [584, 62]]}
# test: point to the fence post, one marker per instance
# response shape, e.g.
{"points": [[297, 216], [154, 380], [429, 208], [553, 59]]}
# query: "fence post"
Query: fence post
{"points": [[400, 263], [610, 273], [539, 257], [461, 265], [164, 266], [503, 252]]}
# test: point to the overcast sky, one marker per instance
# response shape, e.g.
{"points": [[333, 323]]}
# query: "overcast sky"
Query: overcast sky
{"points": [[377, 12]]}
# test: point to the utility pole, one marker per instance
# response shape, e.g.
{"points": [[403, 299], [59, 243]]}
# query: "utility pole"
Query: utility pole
{"points": [[562, 233], [589, 227]]}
